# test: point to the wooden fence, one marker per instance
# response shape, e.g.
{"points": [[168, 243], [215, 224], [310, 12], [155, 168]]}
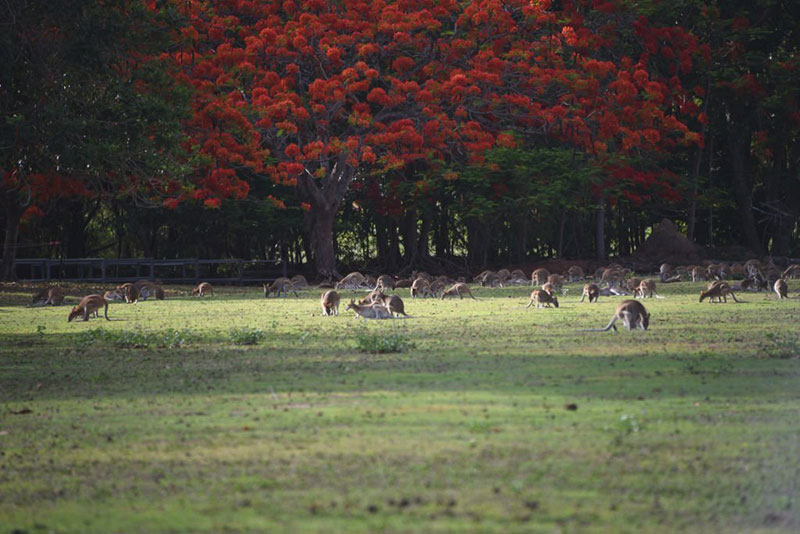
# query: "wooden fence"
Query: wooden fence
{"points": [[132, 269]]}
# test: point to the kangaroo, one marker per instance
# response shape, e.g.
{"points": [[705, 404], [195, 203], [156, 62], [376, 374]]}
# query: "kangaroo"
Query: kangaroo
{"points": [[479, 277], [130, 292], [52, 296], [698, 274], [539, 276], [633, 315], [202, 289], [403, 283], [354, 280], [718, 290], [518, 277], [384, 282], [299, 282], [280, 285], [421, 287], [395, 304], [504, 275], [371, 311], [112, 295], [542, 298], [632, 283], [611, 276], [793, 271], [556, 280], [575, 274], [491, 280], [458, 289], [372, 297], [592, 291], [88, 305], [781, 288], [330, 303], [647, 288]]}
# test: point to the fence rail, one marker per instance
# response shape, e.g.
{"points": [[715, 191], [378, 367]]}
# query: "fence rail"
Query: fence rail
{"points": [[190, 270]]}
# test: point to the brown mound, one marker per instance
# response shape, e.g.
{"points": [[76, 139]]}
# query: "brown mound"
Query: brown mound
{"points": [[667, 245]]}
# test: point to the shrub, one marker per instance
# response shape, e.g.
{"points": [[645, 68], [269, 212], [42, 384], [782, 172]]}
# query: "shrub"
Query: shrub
{"points": [[378, 343], [137, 338], [246, 335]]}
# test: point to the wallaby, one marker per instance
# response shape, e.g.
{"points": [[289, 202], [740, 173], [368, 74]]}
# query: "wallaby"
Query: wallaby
{"points": [[49, 296], [539, 276], [611, 276], [372, 297], [632, 283], [421, 288], [781, 288], [87, 305], [202, 289], [592, 291], [647, 288], [385, 282], [354, 280], [633, 315], [130, 292], [458, 289], [280, 285], [542, 298], [491, 280], [718, 290], [371, 311], [330, 303]]}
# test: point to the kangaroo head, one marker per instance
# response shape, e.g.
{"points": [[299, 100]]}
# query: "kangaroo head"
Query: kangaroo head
{"points": [[646, 320]]}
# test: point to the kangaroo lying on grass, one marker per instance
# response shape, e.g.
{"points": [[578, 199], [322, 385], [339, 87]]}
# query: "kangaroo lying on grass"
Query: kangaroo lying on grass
{"points": [[633, 315], [458, 289], [718, 290], [330, 303], [542, 298], [370, 311], [88, 305], [52, 296]]}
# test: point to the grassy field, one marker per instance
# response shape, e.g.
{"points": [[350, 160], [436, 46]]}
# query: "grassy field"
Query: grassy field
{"points": [[495, 419]]}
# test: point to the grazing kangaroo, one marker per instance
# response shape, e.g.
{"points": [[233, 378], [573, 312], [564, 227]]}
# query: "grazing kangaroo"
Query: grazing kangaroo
{"points": [[647, 288], [542, 298], [202, 289], [718, 290], [299, 282], [112, 295], [52, 296], [633, 315], [556, 280], [458, 289], [330, 303], [781, 288], [421, 287], [539, 276], [87, 305], [592, 291], [280, 285], [632, 283], [575, 273], [130, 292], [371, 311]]}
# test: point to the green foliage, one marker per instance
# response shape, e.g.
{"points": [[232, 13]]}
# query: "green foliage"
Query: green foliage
{"points": [[378, 342], [137, 338], [246, 335]]}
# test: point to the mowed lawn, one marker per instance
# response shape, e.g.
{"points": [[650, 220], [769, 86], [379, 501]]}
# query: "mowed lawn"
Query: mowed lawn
{"points": [[497, 419]]}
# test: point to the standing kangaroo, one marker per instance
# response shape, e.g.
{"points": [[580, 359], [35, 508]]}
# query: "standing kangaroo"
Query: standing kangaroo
{"points": [[542, 298], [781, 288], [718, 290], [202, 289], [52, 296], [633, 315], [592, 291], [330, 303]]}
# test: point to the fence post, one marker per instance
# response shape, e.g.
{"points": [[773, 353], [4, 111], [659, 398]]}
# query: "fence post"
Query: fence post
{"points": [[152, 270], [103, 265], [197, 271], [240, 271]]}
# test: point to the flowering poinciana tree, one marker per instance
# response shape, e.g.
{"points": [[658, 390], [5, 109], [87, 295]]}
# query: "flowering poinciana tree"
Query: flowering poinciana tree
{"points": [[312, 93]]}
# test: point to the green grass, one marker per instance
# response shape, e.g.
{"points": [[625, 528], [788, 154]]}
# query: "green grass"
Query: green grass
{"points": [[493, 418]]}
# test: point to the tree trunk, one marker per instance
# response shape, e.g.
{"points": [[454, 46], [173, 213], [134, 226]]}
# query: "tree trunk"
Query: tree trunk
{"points": [[600, 230], [13, 216], [742, 189], [322, 242]]}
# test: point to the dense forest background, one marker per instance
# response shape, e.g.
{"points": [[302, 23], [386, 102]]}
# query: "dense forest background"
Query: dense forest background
{"points": [[391, 135]]}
